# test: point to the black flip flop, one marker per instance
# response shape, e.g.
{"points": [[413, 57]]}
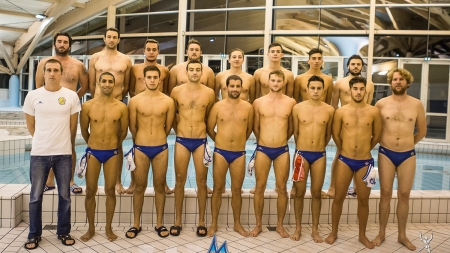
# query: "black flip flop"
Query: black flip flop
{"points": [[202, 228], [133, 230], [34, 240], [160, 230], [177, 228], [65, 238]]}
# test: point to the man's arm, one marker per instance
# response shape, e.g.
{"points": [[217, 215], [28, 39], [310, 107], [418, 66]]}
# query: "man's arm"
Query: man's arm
{"points": [[297, 85], [132, 114], [330, 89], [290, 85], [211, 81], [294, 123], [126, 81], [257, 84], [170, 117], [212, 100], [172, 79], [124, 120], [336, 129], [329, 127], [336, 93], [39, 79], [84, 121], [421, 124], [83, 78], [175, 120], [290, 129], [166, 80], [251, 89], [377, 125], [211, 123], [92, 75], [371, 88], [132, 89], [256, 119], [250, 121], [73, 127], [30, 123], [218, 86]]}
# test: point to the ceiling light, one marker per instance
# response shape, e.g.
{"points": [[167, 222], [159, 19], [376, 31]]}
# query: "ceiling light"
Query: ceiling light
{"points": [[41, 16], [382, 73], [212, 40]]}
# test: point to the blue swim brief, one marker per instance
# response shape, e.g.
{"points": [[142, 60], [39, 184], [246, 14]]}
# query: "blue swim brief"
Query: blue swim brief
{"points": [[311, 156], [191, 143], [356, 165], [102, 155], [230, 156], [396, 158], [272, 153], [151, 151]]}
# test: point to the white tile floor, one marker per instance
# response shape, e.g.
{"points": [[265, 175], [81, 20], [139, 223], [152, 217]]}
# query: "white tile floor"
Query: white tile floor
{"points": [[11, 240]]}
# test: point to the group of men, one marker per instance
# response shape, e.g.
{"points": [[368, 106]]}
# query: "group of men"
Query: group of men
{"points": [[186, 98]]}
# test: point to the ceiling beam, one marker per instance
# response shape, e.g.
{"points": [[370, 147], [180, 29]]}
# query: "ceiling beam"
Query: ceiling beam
{"points": [[5, 69], [76, 4], [6, 56], [12, 29], [16, 13]]}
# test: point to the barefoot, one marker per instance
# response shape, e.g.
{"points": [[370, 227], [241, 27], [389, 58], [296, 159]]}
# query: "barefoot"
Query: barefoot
{"points": [[378, 240], [316, 237], [130, 189], [252, 191], [238, 228], [255, 232], [212, 230], [330, 193], [282, 232], [119, 188], [208, 190], [405, 241], [366, 242], [168, 190], [110, 235], [89, 234], [324, 195], [296, 235], [331, 238]]}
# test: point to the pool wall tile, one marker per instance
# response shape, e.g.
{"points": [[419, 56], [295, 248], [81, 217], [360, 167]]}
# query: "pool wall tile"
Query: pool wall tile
{"points": [[434, 206]]}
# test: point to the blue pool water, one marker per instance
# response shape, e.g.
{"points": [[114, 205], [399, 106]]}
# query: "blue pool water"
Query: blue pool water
{"points": [[432, 172]]}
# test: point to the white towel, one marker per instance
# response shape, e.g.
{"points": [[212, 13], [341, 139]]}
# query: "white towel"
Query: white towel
{"points": [[129, 156], [251, 164], [207, 158], [82, 166], [370, 177]]}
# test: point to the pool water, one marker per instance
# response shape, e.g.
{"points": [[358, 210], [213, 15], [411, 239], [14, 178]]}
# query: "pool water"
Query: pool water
{"points": [[432, 172]]}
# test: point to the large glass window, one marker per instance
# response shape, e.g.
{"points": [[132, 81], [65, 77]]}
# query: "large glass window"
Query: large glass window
{"points": [[416, 71], [438, 82]]}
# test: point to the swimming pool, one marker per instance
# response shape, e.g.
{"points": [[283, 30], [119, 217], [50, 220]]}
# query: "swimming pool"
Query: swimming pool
{"points": [[432, 172]]}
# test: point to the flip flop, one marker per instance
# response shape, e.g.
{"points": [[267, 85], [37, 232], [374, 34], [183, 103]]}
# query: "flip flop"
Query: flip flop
{"points": [[201, 228], [160, 230], [177, 228], [49, 188], [34, 240], [133, 230], [75, 189], [65, 238]]}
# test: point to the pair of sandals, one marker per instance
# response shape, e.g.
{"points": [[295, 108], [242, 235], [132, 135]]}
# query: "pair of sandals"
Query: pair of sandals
{"points": [[66, 240], [75, 189], [179, 228], [135, 231]]}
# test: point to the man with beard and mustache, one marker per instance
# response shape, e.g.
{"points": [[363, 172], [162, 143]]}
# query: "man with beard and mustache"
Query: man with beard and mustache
{"points": [[272, 128], [193, 101], [151, 118], [236, 59], [356, 130], [341, 93], [137, 84], [178, 74], [315, 62], [234, 119], [118, 64], [151, 52], [100, 120], [402, 115], [74, 72]]}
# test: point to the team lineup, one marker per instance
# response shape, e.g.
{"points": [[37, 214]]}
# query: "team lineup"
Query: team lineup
{"points": [[228, 107]]}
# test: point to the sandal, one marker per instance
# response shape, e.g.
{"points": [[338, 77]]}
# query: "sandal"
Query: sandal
{"points": [[65, 238], [49, 188], [160, 230], [34, 240], [75, 189], [176, 228], [201, 228], [133, 230]]}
